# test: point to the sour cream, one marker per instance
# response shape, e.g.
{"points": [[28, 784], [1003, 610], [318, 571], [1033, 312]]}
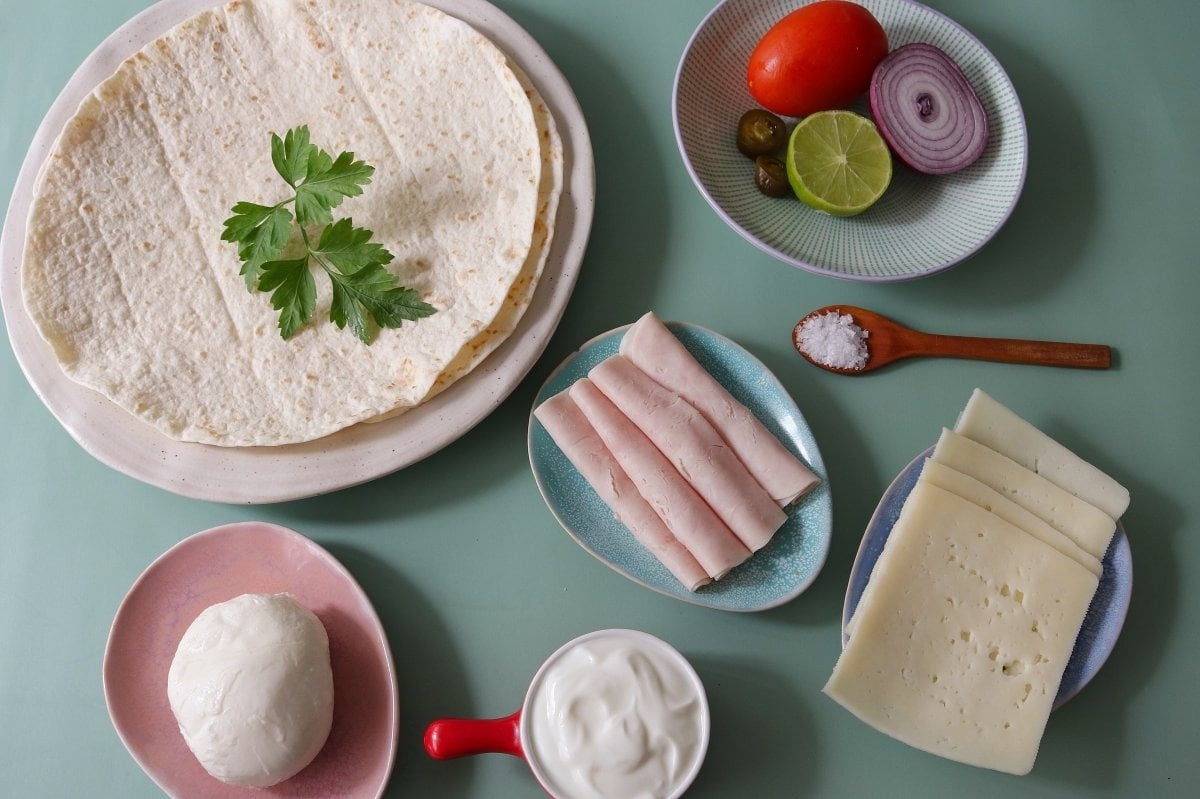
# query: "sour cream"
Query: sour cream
{"points": [[616, 713]]}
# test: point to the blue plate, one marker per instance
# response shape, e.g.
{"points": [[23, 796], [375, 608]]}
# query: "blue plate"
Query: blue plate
{"points": [[1101, 625], [775, 574]]}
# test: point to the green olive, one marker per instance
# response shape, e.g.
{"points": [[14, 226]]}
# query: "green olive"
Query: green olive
{"points": [[760, 133], [770, 175]]}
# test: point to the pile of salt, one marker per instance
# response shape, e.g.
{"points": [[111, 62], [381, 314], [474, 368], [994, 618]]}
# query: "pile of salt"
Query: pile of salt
{"points": [[833, 339]]}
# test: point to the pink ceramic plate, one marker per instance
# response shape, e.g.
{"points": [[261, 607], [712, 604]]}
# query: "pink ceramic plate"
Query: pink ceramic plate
{"points": [[219, 564]]}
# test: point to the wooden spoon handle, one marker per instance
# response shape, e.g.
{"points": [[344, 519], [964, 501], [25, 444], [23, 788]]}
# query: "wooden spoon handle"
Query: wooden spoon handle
{"points": [[1011, 350]]}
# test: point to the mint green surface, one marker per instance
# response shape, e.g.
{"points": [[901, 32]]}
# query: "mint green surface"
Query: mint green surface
{"points": [[476, 583]]}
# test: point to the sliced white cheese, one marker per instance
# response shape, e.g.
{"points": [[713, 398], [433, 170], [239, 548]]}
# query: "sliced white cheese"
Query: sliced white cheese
{"points": [[987, 421], [1085, 524], [960, 646], [969, 488]]}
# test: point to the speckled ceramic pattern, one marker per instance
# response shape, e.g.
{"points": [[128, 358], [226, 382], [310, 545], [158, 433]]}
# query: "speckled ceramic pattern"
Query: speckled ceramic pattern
{"points": [[217, 565], [356, 454], [1101, 624], [772, 576], [922, 225]]}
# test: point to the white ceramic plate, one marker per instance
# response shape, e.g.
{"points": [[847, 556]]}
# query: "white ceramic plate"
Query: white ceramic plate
{"points": [[1101, 625], [778, 572], [921, 226], [220, 564], [357, 454]]}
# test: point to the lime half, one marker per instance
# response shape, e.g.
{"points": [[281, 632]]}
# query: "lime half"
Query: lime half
{"points": [[838, 163]]}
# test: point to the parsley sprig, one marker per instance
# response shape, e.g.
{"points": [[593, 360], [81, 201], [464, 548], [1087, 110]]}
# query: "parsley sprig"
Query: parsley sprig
{"points": [[363, 290]]}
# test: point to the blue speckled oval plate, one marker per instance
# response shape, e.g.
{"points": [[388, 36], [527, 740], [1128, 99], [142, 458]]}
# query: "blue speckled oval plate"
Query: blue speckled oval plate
{"points": [[1101, 625], [775, 574]]}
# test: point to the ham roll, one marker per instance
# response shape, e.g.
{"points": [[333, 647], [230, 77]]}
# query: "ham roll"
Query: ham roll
{"points": [[583, 447], [694, 448], [676, 503], [654, 349]]}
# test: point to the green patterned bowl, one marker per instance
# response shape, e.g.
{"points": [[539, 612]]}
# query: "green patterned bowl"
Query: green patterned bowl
{"points": [[922, 225]]}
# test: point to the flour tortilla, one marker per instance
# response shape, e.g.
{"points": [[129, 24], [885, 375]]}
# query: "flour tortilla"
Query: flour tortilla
{"points": [[124, 271], [521, 293]]}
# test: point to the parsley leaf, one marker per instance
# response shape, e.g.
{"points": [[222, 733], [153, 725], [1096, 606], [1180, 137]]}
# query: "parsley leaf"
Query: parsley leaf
{"points": [[360, 283], [350, 248], [363, 290], [261, 232], [326, 183], [293, 292], [374, 290], [321, 182], [291, 154]]}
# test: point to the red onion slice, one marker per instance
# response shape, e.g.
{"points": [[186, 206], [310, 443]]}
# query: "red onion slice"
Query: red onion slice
{"points": [[927, 111]]}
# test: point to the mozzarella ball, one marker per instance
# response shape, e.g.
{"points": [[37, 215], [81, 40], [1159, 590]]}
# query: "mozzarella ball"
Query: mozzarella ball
{"points": [[252, 689]]}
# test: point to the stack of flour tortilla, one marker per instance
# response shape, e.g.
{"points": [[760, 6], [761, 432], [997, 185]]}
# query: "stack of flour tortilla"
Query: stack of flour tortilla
{"points": [[697, 479], [124, 270]]}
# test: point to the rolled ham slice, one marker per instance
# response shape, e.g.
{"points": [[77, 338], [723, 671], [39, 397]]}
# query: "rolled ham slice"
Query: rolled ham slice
{"points": [[654, 349], [584, 448], [693, 447], [661, 485]]}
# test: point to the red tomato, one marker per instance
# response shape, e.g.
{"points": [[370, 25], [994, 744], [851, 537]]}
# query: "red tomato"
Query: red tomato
{"points": [[817, 58]]}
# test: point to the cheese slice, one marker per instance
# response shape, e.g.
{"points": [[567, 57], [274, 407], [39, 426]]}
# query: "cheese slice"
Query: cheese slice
{"points": [[988, 422], [655, 350], [962, 644], [1085, 524], [584, 448], [696, 449], [972, 490], [969, 488], [666, 491]]}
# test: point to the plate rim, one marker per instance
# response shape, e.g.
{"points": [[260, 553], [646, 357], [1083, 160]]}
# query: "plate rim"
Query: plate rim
{"points": [[361, 452], [814, 460], [797, 261], [1123, 579], [242, 528]]}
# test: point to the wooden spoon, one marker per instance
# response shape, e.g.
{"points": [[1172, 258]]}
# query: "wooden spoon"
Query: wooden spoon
{"points": [[889, 341]]}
